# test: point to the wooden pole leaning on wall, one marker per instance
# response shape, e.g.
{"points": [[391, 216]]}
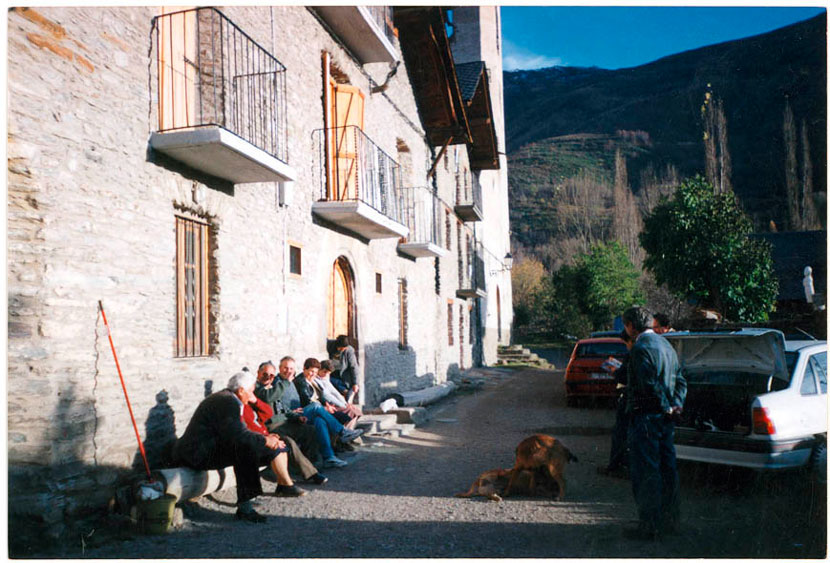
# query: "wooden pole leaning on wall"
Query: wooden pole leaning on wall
{"points": [[438, 158]]}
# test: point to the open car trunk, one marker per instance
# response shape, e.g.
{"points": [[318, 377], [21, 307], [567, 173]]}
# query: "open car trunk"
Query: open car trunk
{"points": [[724, 373]]}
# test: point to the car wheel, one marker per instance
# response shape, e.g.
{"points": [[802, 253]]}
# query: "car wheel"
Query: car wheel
{"points": [[818, 463], [571, 401]]}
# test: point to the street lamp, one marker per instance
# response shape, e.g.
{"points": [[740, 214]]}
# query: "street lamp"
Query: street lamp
{"points": [[506, 265]]}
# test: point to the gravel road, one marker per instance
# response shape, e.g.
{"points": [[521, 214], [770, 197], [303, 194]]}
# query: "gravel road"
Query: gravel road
{"points": [[395, 499]]}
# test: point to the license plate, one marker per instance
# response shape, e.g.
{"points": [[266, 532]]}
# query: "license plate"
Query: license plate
{"points": [[601, 376]]}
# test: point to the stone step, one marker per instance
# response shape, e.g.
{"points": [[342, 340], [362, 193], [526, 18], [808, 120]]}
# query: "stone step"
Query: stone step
{"points": [[405, 415], [374, 423]]}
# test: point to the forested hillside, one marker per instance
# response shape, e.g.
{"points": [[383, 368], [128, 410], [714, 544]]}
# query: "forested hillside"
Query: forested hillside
{"points": [[578, 137]]}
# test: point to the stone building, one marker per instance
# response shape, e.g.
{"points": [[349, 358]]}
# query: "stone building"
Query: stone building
{"points": [[234, 185]]}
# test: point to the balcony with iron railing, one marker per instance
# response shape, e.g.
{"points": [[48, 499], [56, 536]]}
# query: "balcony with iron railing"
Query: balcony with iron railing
{"points": [[359, 184], [220, 98], [468, 198], [471, 274], [368, 31], [421, 214]]}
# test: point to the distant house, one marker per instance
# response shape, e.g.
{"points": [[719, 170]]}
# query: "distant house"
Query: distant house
{"points": [[791, 253]]}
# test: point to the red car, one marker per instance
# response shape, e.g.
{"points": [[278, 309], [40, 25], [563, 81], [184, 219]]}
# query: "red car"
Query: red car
{"points": [[590, 371]]}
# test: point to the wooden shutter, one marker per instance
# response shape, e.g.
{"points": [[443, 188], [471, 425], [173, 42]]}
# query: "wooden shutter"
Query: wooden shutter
{"points": [[345, 116], [177, 74], [192, 331]]}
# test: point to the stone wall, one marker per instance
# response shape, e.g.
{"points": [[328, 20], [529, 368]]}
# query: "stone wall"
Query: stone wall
{"points": [[91, 216]]}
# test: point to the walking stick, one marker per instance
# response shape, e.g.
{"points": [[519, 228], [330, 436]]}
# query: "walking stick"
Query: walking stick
{"points": [[127, 397]]}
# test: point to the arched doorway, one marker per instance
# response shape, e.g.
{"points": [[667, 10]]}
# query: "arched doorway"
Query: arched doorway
{"points": [[342, 311]]}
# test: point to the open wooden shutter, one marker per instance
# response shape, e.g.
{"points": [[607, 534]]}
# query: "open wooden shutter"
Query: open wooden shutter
{"points": [[177, 72], [339, 302], [346, 115]]}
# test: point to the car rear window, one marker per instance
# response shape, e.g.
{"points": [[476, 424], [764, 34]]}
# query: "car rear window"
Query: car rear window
{"points": [[601, 349]]}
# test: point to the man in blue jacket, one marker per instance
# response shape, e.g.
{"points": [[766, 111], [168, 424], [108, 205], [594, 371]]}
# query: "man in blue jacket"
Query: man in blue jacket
{"points": [[656, 391]]}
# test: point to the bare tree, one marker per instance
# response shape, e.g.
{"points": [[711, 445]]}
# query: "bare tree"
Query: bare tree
{"points": [[809, 213], [627, 222], [718, 163], [791, 168]]}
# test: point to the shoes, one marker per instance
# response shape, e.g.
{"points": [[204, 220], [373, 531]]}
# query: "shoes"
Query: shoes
{"points": [[288, 491], [246, 512], [317, 479], [334, 461], [341, 447], [347, 435], [641, 533]]}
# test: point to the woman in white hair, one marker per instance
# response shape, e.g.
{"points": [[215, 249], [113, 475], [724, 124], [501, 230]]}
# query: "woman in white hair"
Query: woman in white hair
{"points": [[216, 437]]}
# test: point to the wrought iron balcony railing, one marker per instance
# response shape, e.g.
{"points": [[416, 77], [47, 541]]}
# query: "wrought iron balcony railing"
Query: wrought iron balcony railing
{"points": [[468, 197], [211, 73], [471, 274], [350, 167], [421, 214], [383, 17]]}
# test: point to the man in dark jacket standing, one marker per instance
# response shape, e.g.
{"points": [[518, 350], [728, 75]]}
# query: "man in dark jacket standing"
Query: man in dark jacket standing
{"points": [[656, 391], [216, 437]]}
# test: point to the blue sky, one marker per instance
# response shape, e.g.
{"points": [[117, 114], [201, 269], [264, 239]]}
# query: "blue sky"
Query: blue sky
{"points": [[624, 36]]}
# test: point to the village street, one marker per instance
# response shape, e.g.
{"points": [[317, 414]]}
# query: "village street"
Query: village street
{"points": [[395, 499]]}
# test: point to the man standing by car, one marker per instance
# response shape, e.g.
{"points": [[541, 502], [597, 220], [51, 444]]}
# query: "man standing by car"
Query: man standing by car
{"points": [[656, 391]]}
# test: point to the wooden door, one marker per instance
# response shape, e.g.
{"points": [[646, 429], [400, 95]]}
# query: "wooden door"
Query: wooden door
{"points": [[346, 119], [177, 74], [341, 305]]}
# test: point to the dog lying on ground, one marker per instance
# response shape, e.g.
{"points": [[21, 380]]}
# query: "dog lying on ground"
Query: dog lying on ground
{"points": [[541, 454], [492, 484], [539, 471]]}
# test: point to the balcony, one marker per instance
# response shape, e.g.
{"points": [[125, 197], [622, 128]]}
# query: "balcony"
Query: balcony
{"points": [[220, 99], [468, 198], [366, 30], [421, 213], [359, 184], [471, 278]]}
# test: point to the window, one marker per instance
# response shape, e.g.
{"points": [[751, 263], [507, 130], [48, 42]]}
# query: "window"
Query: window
{"points": [[819, 363], [450, 339], [295, 259], [449, 231], [808, 384], [378, 283], [192, 330], [461, 335], [402, 314]]}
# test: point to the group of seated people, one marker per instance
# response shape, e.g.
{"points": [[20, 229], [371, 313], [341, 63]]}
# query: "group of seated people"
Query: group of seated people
{"points": [[274, 418]]}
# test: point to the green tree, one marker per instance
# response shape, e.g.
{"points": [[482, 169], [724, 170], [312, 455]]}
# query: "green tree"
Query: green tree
{"points": [[599, 286], [698, 245]]}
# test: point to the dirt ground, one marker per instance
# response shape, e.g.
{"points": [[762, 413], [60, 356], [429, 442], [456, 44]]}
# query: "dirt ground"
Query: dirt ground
{"points": [[395, 499]]}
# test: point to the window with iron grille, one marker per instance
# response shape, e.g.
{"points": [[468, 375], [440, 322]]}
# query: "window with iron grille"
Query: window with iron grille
{"points": [[295, 260], [448, 242], [450, 339], [403, 321], [192, 299]]}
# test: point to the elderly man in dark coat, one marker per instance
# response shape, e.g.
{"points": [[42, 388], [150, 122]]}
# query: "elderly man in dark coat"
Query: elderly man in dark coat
{"points": [[216, 437]]}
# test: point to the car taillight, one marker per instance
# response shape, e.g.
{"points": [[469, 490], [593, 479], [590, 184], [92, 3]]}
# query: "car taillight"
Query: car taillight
{"points": [[761, 422]]}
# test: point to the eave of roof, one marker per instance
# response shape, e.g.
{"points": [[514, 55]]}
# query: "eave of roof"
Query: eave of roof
{"points": [[431, 69]]}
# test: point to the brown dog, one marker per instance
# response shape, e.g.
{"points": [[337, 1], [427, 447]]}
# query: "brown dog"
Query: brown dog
{"points": [[492, 484], [544, 453]]}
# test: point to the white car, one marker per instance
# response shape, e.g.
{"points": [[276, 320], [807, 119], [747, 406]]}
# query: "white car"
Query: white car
{"points": [[754, 400]]}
